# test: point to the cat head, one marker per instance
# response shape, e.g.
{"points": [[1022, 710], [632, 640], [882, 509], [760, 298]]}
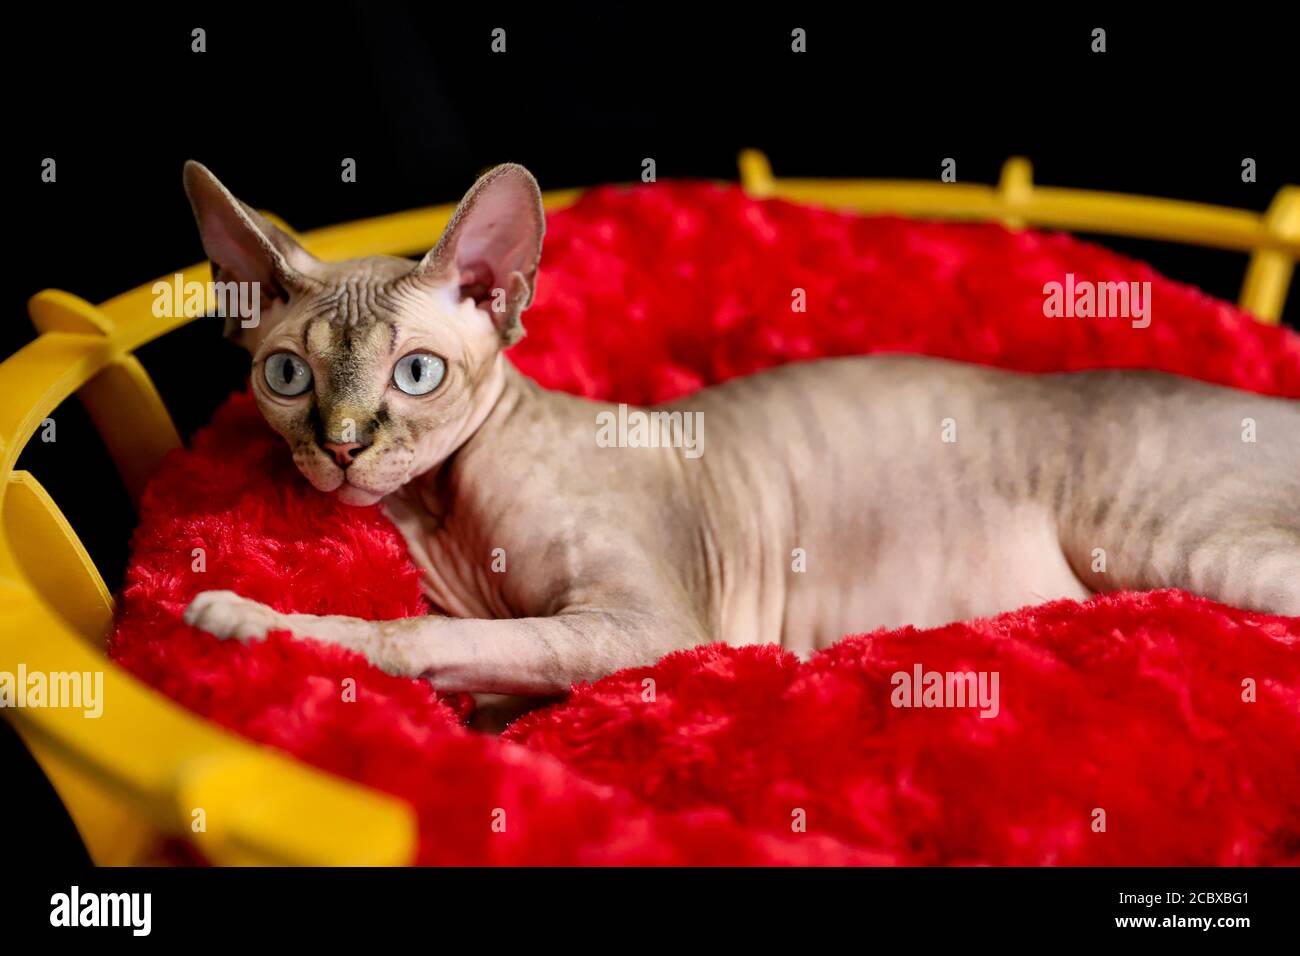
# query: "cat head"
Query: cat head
{"points": [[375, 370]]}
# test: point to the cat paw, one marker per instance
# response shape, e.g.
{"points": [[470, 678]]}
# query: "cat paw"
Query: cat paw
{"points": [[225, 614]]}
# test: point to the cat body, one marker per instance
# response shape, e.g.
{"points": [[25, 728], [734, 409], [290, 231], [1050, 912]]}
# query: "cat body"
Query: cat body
{"points": [[814, 500]]}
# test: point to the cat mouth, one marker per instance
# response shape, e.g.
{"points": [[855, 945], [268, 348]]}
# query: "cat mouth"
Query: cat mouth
{"points": [[337, 482], [329, 478]]}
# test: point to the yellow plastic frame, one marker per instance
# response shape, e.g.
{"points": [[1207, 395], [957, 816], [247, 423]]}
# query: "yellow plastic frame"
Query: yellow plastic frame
{"points": [[137, 774]]}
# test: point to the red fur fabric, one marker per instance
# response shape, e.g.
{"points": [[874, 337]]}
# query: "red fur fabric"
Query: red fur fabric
{"points": [[1130, 704]]}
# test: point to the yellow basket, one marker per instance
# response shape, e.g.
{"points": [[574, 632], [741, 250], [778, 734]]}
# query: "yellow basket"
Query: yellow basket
{"points": [[134, 776]]}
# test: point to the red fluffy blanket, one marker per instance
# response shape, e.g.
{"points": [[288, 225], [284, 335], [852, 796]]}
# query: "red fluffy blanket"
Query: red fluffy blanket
{"points": [[1176, 718]]}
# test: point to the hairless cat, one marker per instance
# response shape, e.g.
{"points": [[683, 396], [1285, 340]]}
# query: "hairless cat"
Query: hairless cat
{"points": [[833, 497]]}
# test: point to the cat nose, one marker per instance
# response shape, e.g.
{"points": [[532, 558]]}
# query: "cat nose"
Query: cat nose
{"points": [[344, 452]]}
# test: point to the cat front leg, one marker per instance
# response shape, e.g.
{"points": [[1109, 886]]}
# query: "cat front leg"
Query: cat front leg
{"points": [[386, 644], [532, 657], [226, 614]]}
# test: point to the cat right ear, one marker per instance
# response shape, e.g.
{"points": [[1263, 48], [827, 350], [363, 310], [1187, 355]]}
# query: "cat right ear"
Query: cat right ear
{"points": [[243, 245], [492, 247]]}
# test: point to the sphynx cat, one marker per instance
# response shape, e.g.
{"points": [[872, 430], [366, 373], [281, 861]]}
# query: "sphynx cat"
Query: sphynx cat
{"points": [[912, 490]]}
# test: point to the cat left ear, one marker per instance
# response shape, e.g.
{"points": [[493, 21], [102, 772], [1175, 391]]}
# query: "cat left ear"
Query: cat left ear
{"points": [[243, 245], [492, 246]]}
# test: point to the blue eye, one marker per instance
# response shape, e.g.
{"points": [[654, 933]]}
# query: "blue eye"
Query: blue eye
{"points": [[286, 374], [419, 373]]}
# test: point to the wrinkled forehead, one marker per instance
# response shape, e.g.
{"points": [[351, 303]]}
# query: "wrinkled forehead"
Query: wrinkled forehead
{"points": [[352, 325], [350, 353]]}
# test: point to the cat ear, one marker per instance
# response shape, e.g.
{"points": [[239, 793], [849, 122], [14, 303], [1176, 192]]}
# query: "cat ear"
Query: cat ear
{"points": [[244, 245], [492, 246]]}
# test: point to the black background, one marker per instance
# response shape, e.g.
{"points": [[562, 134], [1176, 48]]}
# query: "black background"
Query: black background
{"points": [[416, 96], [728, 909]]}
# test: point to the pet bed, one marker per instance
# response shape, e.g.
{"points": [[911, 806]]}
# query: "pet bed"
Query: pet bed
{"points": [[1145, 728]]}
